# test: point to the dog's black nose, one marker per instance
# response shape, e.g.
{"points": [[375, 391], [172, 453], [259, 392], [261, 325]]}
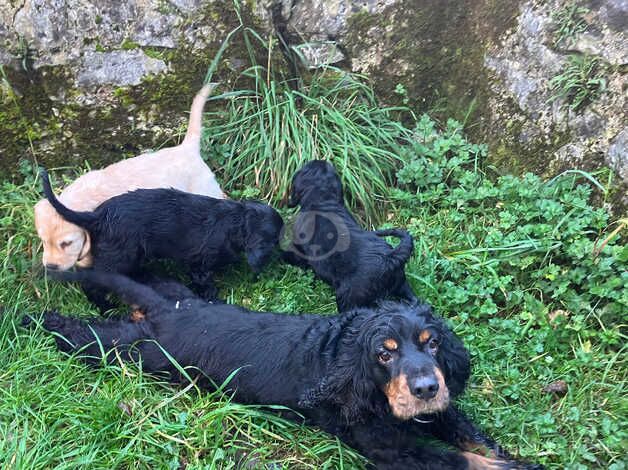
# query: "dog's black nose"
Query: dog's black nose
{"points": [[425, 387], [52, 267]]}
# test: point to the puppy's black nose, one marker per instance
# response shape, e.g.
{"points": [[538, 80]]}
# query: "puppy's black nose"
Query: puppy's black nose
{"points": [[425, 387], [52, 267]]}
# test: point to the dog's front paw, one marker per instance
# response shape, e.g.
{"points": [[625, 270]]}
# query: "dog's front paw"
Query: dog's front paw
{"points": [[50, 320]]}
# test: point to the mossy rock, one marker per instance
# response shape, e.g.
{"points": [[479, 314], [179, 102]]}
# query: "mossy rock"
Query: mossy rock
{"points": [[48, 120]]}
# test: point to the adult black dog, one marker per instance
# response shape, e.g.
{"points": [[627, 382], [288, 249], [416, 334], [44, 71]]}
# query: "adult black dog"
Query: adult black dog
{"points": [[379, 379], [201, 232], [358, 264]]}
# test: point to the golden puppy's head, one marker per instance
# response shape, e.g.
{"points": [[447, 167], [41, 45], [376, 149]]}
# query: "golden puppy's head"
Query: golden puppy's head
{"points": [[65, 244]]}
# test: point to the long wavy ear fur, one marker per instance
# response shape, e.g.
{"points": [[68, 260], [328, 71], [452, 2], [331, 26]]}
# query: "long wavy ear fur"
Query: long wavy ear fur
{"points": [[454, 360], [348, 385]]}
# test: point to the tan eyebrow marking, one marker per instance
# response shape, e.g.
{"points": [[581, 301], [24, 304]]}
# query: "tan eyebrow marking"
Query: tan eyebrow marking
{"points": [[391, 344], [424, 336]]}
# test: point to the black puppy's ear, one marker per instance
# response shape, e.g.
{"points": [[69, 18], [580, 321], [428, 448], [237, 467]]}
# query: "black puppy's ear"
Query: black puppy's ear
{"points": [[453, 359], [348, 385]]}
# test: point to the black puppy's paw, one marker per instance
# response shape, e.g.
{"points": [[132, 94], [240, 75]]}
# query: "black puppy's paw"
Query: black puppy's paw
{"points": [[49, 319], [209, 293], [53, 320]]}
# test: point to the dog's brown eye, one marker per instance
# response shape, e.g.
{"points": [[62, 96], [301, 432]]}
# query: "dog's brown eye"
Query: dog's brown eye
{"points": [[65, 244], [432, 345], [384, 357]]}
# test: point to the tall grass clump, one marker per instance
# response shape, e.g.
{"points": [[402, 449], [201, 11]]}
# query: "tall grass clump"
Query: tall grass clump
{"points": [[267, 131]]}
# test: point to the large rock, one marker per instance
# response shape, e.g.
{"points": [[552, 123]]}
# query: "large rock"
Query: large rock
{"points": [[97, 80], [488, 63]]}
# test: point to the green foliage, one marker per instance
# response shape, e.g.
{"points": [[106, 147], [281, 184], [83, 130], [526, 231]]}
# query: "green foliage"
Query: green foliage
{"points": [[569, 22], [537, 282], [580, 82], [269, 131]]}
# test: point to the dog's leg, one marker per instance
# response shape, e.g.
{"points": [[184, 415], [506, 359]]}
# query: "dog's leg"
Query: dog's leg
{"points": [[96, 338], [97, 296], [389, 447], [405, 292], [454, 427]]}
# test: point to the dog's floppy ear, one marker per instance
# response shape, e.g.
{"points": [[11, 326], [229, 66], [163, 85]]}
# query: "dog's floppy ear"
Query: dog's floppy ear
{"points": [[348, 385], [453, 359]]}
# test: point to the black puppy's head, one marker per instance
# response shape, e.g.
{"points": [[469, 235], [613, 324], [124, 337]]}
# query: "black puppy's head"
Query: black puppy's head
{"points": [[403, 356], [414, 359], [315, 181], [262, 231]]}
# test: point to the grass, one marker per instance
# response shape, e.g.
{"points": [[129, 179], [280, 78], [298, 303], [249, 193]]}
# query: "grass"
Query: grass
{"points": [[265, 133], [529, 273]]}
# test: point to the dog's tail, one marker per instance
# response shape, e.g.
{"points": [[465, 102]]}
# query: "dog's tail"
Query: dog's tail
{"points": [[196, 114], [82, 219], [130, 291], [402, 252]]}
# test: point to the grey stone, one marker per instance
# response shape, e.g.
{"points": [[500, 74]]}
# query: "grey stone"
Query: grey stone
{"points": [[117, 68], [618, 153]]}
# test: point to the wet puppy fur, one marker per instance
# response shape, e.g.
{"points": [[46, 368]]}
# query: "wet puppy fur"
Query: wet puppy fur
{"points": [[379, 379], [202, 233], [359, 264]]}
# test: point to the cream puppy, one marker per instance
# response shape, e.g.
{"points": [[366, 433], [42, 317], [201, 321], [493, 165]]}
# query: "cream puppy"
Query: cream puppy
{"points": [[180, 167]]}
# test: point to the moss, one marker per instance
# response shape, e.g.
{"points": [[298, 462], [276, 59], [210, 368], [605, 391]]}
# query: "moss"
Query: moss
{"points": [[128, 45], [61, 133], [435, 49]]}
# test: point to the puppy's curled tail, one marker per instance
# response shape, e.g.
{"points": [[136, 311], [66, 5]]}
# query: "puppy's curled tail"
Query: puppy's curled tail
{"points": [[82, 219], [130, 291], [402, 252], [195, 123]]}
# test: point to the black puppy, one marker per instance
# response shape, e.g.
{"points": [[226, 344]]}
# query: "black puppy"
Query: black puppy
{"points": [[201, 232], [358, 264], [379, 379]]}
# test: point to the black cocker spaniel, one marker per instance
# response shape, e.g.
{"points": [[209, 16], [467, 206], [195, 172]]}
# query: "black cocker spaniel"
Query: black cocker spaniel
{"points": [[201, 232], [359, 264], [377, 378]]}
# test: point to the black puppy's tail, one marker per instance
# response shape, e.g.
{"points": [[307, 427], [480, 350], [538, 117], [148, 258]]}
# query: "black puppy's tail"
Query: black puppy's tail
{"points": [[402, 252], [82, 219], [130, 291]]}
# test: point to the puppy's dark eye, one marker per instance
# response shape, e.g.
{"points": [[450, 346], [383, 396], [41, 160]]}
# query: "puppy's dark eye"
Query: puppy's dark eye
{"points": [[432, 345], [384, 357], [64, 245]]}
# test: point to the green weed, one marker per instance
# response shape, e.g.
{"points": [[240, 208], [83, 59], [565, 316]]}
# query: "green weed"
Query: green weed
{"points": [[569, 22], [580, 82]]}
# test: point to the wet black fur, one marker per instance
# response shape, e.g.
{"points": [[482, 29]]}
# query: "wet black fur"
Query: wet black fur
{"points": [[359, 264], [324, 367], [201, 232]]}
